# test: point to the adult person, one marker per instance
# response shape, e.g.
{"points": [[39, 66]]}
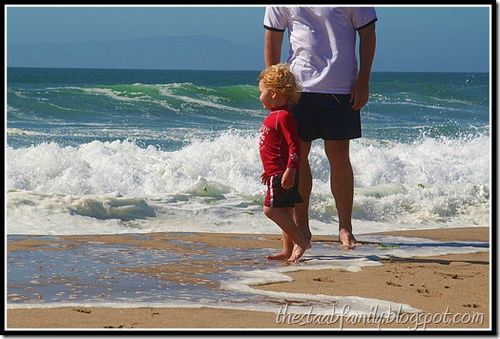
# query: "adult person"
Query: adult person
{"points": [[323, 58]]}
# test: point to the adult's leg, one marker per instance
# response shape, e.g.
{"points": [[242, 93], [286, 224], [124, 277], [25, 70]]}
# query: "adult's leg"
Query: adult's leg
{"points": [[342, 186], [301, 213]]}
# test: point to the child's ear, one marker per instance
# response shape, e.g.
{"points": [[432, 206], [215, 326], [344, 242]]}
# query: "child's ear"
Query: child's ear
{"points": [[274, 94]]}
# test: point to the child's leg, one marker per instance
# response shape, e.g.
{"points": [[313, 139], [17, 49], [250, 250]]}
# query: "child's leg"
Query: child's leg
{"points": [[283, 217], [287, 248]]}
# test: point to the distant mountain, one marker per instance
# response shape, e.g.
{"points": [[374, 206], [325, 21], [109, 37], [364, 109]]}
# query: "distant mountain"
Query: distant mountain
{"points": [[183, 52]]}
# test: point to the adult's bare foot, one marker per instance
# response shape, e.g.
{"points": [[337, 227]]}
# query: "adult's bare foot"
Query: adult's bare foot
{"points": [[346, 239]]}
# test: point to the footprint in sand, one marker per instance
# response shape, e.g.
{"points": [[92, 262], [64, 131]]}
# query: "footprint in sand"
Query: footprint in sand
{"points": [[390, 283], [471, 305], [424, 290], [326, 279]]}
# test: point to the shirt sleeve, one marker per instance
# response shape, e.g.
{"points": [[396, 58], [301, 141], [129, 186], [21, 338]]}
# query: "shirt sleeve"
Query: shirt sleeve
{"points": [[288, 127], [275, 18], [363, 16]]}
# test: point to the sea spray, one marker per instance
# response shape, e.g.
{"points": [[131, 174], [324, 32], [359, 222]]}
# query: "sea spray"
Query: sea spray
{"points": [[395, 183]]}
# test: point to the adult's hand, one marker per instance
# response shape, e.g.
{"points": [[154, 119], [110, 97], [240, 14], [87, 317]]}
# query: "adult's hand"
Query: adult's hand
{"points": [[359, 94]]}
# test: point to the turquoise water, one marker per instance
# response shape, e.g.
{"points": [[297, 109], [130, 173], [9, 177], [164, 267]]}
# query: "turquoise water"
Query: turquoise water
{"points": [[60, 105], [142, 151]]}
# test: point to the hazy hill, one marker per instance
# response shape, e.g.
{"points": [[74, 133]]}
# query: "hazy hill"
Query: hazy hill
{"points": [[185, 52]]}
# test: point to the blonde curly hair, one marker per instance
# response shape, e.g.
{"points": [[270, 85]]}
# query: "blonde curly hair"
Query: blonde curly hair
{"points": [[279, 78]]}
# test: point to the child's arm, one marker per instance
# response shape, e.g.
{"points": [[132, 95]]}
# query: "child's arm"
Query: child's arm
{"points": [[288, 127], [263, 177], [288, 178]]}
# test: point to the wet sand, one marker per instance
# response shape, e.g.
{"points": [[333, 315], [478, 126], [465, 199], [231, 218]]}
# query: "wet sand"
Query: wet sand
{"points": [[444, 287]]}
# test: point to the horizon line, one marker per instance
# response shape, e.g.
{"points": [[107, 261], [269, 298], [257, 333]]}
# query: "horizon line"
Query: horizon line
{"points": [[218, 70]]}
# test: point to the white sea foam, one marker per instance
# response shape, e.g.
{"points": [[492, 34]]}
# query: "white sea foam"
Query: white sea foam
{"points": [[22, 132], [214, 183], [390, 100], [137, 98], [209, 101], [329, 258], [109, 93]]}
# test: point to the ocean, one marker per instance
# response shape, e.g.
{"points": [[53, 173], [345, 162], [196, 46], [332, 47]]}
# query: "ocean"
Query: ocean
{"points": [[137, 152], [101, 151]]}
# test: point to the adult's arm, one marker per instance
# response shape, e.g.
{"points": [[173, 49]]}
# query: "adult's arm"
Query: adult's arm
{"points": [[272, 47], [367, 44]]}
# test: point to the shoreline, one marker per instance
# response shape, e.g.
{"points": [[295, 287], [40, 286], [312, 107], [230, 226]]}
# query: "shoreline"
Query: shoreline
{"points": [[428, 283]]}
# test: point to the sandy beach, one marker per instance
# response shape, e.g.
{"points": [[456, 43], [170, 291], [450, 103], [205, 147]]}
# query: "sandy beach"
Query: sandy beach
{"points": [[453, 290]]}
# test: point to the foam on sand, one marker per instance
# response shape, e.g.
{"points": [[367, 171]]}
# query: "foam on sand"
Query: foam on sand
{"points": [[90, 271]]}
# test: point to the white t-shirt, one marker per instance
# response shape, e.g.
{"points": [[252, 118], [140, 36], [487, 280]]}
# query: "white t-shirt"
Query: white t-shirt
{"points": [[322, 44]]}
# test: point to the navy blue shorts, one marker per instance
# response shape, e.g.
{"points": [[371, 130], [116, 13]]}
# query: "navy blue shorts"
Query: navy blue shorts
{"points": [[277, 196], [326, 116]]}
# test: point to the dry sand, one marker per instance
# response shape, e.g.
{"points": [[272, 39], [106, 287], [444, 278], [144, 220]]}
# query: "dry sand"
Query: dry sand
{"points": [[458, 284]]}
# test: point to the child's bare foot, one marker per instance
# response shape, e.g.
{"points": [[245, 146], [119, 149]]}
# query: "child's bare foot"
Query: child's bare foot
{"points": [[279, 256], [298, 251], [346, 239], [296, 254]]}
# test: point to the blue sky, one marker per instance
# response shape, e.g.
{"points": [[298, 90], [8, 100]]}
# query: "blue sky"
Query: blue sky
{"points": [[408, 38]]}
